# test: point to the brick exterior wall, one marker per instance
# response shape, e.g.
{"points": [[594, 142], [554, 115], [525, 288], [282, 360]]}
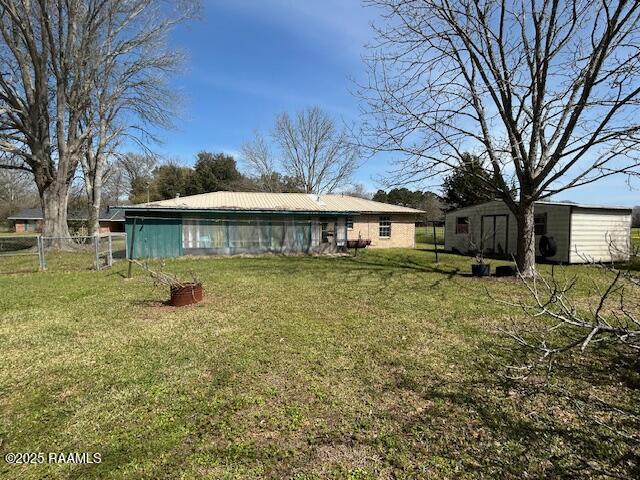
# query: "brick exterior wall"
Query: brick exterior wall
{"points": [[403, 231], [111, 227], [20, 226]]}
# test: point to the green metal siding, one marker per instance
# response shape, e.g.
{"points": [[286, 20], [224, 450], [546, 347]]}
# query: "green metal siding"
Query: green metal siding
{"points": [[155, 237]]}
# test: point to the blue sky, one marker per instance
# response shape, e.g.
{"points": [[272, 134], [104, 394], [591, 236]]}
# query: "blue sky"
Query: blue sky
{"points": [[250, 60]]}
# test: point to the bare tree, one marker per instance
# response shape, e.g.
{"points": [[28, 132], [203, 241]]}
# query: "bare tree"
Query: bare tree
{"points": [[357, 190], [258, 157], [115, 185], [612, 315], [546, 93], [314, 150], [136, 166], [130, 90], [433, 207], [43, 91], [71, 71], [560, 323], [16, 192]]}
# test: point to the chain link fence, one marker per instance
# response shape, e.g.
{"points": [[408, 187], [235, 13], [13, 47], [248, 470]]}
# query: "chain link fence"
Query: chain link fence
{"points": [[429, 234], [24, 253]]}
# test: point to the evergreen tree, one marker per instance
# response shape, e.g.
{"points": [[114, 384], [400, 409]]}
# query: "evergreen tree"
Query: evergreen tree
{"points": [[171, 180], [467, 184], [214, 172], [380, 196]]}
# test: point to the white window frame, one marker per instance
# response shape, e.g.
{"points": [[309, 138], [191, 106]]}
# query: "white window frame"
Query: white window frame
{"points": [[384, 223], [536, 222]]}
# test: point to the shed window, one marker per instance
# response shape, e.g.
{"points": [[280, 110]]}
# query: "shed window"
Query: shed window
{"points": [[349, 223], [385, 227], [462, 224], [540, 224]]}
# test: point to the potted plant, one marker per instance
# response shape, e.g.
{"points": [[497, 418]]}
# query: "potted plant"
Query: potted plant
{"points": [[180, 293], [480, 269]]}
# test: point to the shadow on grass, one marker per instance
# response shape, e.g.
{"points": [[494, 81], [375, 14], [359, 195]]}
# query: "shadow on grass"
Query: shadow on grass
{"points": [[494, 427], [389, 267]]}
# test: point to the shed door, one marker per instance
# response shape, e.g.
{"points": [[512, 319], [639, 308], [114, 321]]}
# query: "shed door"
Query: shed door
{"points": [[494, 230]]}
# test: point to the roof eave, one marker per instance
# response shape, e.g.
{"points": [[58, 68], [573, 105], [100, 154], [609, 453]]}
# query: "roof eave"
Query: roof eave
{"points": [[548, 203], [231, 210], [141, 208]]}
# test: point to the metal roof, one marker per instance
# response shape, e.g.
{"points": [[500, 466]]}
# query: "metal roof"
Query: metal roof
{"points": [[27, 214], [106, 215], [549, 202], [585, 205], [273, 202]]}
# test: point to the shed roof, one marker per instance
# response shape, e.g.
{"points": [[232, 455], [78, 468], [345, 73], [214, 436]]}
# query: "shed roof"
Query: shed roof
{"points": [[106, 215], [276, 202], [548, 202]]}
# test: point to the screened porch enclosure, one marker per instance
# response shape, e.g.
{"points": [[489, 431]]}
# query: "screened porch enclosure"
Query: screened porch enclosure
{"points": [[256, 234]]}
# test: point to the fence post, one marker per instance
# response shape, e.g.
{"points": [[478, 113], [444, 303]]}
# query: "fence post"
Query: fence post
{"points": [[130, 251], [39, 244], [43, 253], [96, 243], [435, 240], [110, 257]]}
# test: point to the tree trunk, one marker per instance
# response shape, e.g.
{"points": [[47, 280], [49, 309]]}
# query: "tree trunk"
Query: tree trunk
{"points": [[526, 244], [93, 188], [96, 195], [93, 223], [54, 213]]}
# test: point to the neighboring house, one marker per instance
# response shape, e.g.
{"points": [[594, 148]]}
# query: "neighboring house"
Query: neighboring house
{"points": [[581, 233], [225, 223], [30, 220]]}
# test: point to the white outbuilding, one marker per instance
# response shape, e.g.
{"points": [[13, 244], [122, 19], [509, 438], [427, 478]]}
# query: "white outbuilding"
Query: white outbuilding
{"points": [[580, 233]]}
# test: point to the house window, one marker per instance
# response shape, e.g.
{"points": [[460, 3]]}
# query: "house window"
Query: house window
{"points": [[462, 225], [540, 223], [349, 223], [385, 227], [203, 233], [324, 226]]}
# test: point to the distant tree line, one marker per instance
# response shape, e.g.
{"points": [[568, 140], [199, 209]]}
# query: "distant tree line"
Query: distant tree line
{"points": [[137, 178], [461, 188], [430, 202]]}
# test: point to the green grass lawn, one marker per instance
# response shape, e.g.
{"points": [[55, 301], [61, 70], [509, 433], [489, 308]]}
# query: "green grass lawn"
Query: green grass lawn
{"points": [[385, 365], [11, 233], [635, 238], [425, 235]]}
